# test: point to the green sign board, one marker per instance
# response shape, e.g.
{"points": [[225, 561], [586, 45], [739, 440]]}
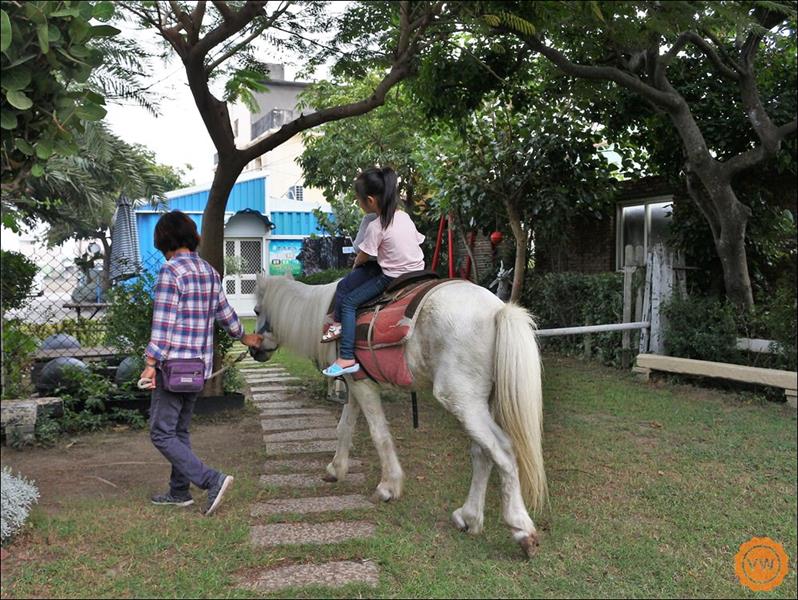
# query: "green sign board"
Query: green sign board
{"points": [[283, 257]]}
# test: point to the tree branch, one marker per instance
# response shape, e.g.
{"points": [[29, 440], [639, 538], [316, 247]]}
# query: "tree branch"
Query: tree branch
{"points": [[233, 23], [630, 82], [754, 156], [286, 132], [279, 12], [196, 19], [708, 51]]}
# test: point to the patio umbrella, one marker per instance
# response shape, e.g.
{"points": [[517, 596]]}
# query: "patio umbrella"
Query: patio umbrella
{"points": [[125, 257]]}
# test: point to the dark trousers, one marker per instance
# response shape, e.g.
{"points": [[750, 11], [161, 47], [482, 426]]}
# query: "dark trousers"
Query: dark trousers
{"points": [[170, 417], [371, 288], [355, 278]]}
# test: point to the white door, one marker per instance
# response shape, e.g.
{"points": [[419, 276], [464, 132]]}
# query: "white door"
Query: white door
{"points": [[247, 255]]}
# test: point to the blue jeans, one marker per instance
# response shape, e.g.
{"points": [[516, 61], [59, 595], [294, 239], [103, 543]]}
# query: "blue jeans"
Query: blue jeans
{"points": [[355, 278], [170, 416], [370, 289]]}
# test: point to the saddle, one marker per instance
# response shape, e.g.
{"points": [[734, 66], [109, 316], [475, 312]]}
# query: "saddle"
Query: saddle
{"points": [[384, 324]]}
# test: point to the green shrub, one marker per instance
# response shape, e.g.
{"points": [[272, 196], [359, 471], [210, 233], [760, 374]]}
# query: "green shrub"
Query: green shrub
{"points": [[17, 280], [780, 317], [575, 299], [18, 348], [88, 404], [128, 320], [701, 328], [708, 328], [89, 332], [323, 277]]}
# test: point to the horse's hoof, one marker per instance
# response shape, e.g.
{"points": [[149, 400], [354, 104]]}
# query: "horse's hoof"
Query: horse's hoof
{"points": [[330, 478], [530, 544], [382, 494], [458, 520]]}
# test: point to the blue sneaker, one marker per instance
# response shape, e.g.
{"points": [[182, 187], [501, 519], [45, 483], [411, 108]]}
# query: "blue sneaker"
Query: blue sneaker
{"points": [[170, 499], [336, 370], [215, 493]]}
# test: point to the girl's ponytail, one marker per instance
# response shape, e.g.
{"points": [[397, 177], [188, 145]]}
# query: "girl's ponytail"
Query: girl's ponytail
{"points": [[390, 197]]}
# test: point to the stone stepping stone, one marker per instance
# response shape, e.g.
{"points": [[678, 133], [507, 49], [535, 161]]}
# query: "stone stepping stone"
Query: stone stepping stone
{"points": [[270, 389], [269, 379], [304, 506], [306, 480], [302, 447], [277, 405], [332, 574], [303, 464], [329, 433], [297, 423], [279, 534], [288, 412], [273, 397]]}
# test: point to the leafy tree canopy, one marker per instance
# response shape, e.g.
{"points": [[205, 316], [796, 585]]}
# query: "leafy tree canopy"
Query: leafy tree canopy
{"points": [[60, 62]]}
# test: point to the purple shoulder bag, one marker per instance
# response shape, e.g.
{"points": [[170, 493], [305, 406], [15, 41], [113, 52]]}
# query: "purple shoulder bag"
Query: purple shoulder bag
{"points": [[186, 375]]}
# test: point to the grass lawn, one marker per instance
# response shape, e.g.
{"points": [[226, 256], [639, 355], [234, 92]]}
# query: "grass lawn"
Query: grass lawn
{"points": [[653, 489]]}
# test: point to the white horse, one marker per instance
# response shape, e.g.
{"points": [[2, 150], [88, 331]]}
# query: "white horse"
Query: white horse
{"points": [[480, 359]]}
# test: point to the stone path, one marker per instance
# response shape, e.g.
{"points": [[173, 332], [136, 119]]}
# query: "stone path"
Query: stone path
{"points": [[295, 431]]}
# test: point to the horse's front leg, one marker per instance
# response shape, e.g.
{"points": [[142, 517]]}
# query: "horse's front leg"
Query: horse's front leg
{"points": [[392, 480], [339, 467]]}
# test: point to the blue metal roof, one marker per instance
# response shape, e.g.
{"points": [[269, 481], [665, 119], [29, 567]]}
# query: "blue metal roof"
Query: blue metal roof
{"points": [[245, 194], [249, 194]]}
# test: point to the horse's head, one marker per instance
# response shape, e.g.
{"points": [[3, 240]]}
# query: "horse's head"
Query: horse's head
{"points": [[263, 324]]}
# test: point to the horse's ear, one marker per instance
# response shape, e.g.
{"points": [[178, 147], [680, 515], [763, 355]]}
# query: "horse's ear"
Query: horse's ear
{"points": [[260, 281]]}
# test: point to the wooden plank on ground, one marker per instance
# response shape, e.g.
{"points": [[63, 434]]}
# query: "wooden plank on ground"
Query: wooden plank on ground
{"points": [[787, 380]]}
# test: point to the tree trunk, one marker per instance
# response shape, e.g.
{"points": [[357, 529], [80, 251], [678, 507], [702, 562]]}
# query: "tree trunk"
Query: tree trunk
{"points": [[520, 249], [212, 245], [726, 215], [730, 243]]}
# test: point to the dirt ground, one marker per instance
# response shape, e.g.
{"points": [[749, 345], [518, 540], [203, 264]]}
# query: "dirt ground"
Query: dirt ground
{"points": [[120, 462]]}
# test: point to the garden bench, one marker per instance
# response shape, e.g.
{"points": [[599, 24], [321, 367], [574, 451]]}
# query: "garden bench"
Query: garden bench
{"points": [[786, 380]]}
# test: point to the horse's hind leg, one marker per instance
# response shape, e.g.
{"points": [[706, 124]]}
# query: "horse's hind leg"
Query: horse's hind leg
{"points": [[339, 467], [484, 431], [470, 516], [392, 480]]}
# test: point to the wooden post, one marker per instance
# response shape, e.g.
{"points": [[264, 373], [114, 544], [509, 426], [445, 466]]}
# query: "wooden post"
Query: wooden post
{"points": [[662, 280], [628, 273], [645, 334]]}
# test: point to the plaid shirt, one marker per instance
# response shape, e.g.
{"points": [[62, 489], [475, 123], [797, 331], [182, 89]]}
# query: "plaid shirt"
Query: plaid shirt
{"points": [[182, 316]]}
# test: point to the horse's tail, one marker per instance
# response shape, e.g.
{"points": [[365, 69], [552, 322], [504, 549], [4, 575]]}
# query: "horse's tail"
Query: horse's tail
{"points": [[519, 403]]}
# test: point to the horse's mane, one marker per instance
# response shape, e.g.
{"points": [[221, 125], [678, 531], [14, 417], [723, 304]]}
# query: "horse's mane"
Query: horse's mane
{"points": [[296, 312]]}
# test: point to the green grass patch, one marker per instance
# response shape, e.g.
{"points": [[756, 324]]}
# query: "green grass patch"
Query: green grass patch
{"points": [[653, 489]]}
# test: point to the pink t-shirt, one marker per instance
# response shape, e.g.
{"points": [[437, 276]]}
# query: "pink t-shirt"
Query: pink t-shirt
{"points": [[396, 247]]}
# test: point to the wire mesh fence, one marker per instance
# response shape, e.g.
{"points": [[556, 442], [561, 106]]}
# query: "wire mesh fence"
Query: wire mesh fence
{"points": [[62, 320]]}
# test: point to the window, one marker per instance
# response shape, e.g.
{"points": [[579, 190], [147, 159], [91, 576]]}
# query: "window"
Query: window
{"points": [[644, 223], [296, 192], [274, 119]]}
